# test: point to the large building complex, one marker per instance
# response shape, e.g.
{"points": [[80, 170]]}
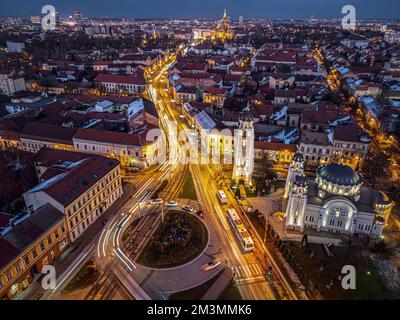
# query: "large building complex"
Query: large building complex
{"points": [[336, 201]]}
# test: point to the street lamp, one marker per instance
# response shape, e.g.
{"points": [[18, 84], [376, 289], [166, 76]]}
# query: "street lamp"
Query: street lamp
{"points": [[265, 229]]}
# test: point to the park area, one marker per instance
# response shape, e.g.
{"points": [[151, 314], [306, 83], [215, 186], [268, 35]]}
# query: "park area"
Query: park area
{"points": [[180, 239], [325, 270], [85, 277], [188, 190]]}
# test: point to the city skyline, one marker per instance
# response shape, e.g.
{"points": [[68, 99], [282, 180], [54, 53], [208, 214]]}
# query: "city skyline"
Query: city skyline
{"points": [[254, 9], [210, 157]]}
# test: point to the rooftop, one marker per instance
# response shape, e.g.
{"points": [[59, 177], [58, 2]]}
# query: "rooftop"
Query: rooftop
{"points": [[339, 174], [79, 177]]}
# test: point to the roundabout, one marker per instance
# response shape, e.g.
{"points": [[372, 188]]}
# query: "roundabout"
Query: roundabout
{"points": [[155, 259], [177, 241]]}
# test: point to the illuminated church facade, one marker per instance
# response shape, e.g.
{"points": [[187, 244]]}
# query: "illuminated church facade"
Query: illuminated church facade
{"points": [[223, 31], [336, 201]]}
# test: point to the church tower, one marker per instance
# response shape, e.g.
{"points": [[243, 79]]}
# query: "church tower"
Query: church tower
{"points": [[223, 31], [295, 211], [225, 22], [296, 168], [244, 147]]}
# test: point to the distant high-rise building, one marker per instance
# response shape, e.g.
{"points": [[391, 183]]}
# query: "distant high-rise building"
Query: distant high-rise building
{"points": [[17, 47], [35, 19], [78, 17], [11, 83]]}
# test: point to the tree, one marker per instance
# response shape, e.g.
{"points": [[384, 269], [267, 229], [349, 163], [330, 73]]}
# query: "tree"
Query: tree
{"points": [[264, 164], [380, 248], [376, 166]]}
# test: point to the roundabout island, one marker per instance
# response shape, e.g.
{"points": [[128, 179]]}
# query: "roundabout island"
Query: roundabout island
{"points": [[176, 241]]}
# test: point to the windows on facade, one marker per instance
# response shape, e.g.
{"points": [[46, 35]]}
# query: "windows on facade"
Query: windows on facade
{"points": [[18, 267], [9, 276]]}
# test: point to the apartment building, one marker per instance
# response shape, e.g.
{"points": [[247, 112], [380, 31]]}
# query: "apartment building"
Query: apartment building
{"points": [[81, 190], [27, 244], [11, 83], [118, 84], [130, 149], [36, 135], [345, 143]]}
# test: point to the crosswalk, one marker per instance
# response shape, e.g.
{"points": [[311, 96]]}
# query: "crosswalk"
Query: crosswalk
{"points": [[251, 271]]}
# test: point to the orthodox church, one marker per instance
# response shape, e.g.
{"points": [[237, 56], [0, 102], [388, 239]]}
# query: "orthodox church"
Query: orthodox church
{"points": [[336, 201]]}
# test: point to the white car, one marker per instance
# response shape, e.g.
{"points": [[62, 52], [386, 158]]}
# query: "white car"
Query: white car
{"points": [[187, 208], [156, 201], [171, 204], [211, 265]]}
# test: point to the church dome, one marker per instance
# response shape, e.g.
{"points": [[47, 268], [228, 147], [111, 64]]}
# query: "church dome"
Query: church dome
{"points": [[339, 174], [298, 157]]}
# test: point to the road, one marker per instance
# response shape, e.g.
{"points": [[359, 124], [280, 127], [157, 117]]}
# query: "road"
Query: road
{"points": [[115, 264], [250, 269]]}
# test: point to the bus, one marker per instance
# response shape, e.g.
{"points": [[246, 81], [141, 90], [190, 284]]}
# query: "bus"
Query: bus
{"points": [[222, 197], [246, 242]]}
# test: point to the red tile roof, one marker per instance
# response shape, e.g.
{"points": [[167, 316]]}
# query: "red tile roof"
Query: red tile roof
{"points": [[101, 63], [285, 93], [314, 137], [274, 146], [48, 156], [215, 91], [137, 80], [202, 75], [4, 219], [48, 132], [318, 117], [8, 252], [68, 186], [119, 138], [350, 133]]}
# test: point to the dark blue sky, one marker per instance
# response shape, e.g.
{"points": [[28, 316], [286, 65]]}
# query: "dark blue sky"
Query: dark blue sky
{"points": [[273, 9]]}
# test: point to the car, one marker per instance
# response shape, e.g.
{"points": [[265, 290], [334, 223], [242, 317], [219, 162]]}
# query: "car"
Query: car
{"points": [[133, 169], [211, 265], [171, 203], [187, 208], [156, 201], [200, 213]]}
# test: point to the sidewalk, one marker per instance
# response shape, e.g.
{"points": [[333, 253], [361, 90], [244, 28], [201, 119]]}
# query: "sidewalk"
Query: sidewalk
{"points": [[61, 263], [224, 278]]}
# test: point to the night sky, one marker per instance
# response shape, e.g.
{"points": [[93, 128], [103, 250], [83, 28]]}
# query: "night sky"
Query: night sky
{"points": [[272, 9]]}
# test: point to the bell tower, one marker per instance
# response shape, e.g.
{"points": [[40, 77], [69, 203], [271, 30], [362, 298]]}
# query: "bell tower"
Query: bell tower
{"points": [[244, 147], [295, 211], [296, 168]]}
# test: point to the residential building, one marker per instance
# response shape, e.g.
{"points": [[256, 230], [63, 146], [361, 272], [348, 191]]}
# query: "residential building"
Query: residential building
{"points": [[81, 192], [120, 84], [27, 244], [11, 83]]}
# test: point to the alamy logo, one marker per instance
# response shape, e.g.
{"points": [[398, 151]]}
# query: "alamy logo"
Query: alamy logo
{"points": [[349, 20], [49, 20], [349, 277], [49, 280]]}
